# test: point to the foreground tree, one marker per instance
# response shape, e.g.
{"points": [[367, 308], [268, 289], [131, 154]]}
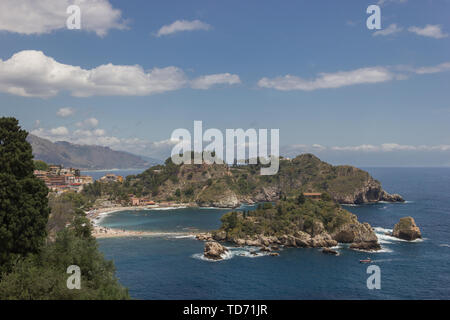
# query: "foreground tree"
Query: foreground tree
{"points": [[23, 198]]}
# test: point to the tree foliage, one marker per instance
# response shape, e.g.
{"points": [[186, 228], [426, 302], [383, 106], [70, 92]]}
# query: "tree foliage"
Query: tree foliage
{"points": [[23, 198]]}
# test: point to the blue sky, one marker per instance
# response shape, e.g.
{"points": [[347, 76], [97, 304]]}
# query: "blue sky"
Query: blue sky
{"points": [[384, 100]]}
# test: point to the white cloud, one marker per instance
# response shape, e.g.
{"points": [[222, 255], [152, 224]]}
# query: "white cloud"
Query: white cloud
{"points": [[205, 82], [32, 74], [60, 131], [385, 147], [434, 69], [44, 16], [65, 112], [329, 80], [182, 25], [432, 31], [88, 123], [391, 29]]}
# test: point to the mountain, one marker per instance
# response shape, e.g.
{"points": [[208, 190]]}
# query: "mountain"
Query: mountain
{"points": [[85, 156], [220, 185]]}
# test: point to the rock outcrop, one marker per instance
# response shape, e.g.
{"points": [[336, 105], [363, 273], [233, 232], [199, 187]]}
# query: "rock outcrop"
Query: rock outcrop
{"points": [[407, 229], [360, 235], [214, 250], [330, 251]]}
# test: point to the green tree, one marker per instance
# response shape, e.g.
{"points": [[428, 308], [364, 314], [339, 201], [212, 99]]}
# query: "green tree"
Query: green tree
{"points": [[301, 199], [23, 198], [40, 165]]}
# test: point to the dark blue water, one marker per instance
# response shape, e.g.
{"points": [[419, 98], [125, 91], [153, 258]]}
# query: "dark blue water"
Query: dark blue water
{"points": [[171, 267]]}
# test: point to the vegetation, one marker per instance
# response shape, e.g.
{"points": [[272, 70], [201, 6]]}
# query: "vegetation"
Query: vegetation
{"points": [[33, 266], [23, 198], [40, 165], [206, 183], [286, 217]]}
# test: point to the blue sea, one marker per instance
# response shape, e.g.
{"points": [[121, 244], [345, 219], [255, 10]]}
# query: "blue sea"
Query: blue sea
{"points": [[172, 267]]}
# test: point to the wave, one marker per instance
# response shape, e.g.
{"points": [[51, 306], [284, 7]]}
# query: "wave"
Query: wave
{"points": [[444, 245], [165, 208], [246, 252]]}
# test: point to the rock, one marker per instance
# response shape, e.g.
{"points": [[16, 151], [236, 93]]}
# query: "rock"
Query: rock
{"points": [[275, 247], [329, 251], [214, 250], [274, 254], [220, 236], [391, 197], [366, 246], [265, 249], [360, 235], [407, 229], [204, 236]]}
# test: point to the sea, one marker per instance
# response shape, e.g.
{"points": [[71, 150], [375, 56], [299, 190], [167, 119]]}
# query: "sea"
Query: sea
{"points": [[173, 267]]}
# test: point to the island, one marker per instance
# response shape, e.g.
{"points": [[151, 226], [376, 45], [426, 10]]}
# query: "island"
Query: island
{"points": [[300, 222]]}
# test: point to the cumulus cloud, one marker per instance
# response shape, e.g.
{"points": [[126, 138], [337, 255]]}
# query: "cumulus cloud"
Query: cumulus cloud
{"points": [[431, 31], [88, 123], [329, 80], [390, 30], [205, 82], [60, 131], [65, 112], [44, 16], [434, 69], [31, 73], [182, 25]]}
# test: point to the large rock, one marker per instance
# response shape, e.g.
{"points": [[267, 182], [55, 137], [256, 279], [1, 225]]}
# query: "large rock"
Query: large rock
{"points": [[360, 235], [214, 250], [407, 229]]}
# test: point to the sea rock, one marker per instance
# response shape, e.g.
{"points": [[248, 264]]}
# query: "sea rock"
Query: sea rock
{"points": [[265, 249], [204, 237], [329, 251], [407, 229], [214, 250], [391, 197], [274, 254], [360, 235]]}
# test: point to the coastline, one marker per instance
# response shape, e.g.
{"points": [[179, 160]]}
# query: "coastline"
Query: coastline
{"points": [[100, 232]]}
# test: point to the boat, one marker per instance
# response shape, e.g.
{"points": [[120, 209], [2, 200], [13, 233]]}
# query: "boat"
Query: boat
{"points": [[368, 260]]}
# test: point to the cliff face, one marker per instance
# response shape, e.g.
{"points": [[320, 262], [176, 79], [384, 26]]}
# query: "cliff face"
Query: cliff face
{"points": [[221, 185]]}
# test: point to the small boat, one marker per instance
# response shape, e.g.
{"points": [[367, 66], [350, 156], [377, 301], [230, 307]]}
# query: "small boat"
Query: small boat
{"points": [[368, 260]]}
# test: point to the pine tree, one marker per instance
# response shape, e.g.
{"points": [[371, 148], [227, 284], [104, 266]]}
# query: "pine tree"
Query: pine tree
{"points": [[23, 198]]}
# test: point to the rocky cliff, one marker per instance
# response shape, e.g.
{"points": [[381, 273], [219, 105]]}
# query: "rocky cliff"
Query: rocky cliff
{"points": [[407, 229]]}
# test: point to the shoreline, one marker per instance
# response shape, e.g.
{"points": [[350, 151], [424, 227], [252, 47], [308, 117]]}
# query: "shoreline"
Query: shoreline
{"points": [[100, 232]]}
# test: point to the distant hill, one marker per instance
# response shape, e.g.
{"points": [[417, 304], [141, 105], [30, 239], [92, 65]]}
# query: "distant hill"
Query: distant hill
{"points": [[85, 156]]}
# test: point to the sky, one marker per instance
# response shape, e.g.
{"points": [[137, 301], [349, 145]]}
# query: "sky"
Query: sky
{"points": [[137, 70]]}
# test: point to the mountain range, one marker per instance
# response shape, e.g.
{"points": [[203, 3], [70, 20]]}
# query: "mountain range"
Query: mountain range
{"points": [[87, 157]]}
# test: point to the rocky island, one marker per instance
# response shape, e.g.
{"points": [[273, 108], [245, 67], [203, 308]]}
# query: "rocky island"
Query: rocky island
{"points": [[407, 229], [295, 222]]}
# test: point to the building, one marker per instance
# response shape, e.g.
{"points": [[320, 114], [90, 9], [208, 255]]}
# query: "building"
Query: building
{"points": [[111, 177], [59, 179], [136, 201], [313, 195]]}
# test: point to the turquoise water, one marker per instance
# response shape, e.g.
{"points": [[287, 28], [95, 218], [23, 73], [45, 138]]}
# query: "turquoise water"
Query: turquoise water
{"points": [[172, 267]]}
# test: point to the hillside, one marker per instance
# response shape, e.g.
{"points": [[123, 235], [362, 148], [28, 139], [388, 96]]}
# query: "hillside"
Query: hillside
{"points": [[84, 156], [225, 186]]}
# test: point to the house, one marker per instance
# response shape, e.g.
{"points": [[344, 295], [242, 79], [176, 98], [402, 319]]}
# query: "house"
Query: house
{"points": [[111, 177], [313, 195], [136, 201]]}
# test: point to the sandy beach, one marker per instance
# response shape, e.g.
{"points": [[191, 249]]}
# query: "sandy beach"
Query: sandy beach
{"points": [[104, 232]]}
